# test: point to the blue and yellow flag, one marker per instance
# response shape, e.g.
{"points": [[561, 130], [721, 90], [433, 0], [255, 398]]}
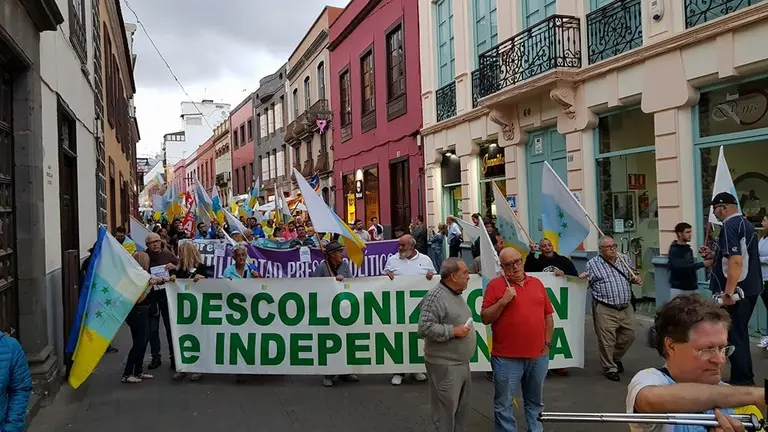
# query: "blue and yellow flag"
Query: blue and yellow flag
{"points": [[253, 199], [112, 285], [563, 218], [509, 226]]}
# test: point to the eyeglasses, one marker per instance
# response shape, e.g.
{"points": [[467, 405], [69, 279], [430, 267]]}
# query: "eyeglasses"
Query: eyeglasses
{"points": [[512, 264], [153, 241], [609, 247], [709, 353]]}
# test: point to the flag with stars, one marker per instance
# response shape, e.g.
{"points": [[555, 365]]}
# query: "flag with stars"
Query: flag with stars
{"points": [[112, 285], [508, 225], [563, 218]]}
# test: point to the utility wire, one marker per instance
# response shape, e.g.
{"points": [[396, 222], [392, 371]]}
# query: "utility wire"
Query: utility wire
{"points": [[143, 28]]}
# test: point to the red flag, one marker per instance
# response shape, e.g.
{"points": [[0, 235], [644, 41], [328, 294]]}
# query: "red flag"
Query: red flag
{"points": [[188, 200], [188, 224]]}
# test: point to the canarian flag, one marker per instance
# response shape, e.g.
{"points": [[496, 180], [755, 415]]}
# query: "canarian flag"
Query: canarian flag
{"points": [[489, 268], [253, 199], [508, 224], [723, 183], [324, 220], [216, 207], [112, 285], [563, 218], [157, 207], [204, 210]]}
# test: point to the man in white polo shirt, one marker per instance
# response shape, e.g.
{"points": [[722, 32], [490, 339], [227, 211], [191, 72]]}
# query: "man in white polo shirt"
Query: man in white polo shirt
{"points": [[408, 262]]}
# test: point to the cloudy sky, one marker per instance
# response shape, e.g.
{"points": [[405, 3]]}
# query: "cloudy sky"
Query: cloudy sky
{"points": [[218, 50]]}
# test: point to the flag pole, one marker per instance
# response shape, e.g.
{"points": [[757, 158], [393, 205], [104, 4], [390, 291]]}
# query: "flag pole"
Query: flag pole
{"points": [[520, 225]]}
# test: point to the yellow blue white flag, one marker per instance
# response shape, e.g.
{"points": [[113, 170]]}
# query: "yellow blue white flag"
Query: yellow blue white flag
{"points": [[564, 220], [112, 285], [508, 225]]}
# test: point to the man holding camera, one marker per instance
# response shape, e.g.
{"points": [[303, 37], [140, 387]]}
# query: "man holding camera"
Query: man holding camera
{"points": [[736, 280]]}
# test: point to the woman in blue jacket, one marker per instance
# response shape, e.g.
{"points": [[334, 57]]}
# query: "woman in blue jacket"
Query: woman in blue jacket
{"points": [[15, 385]]}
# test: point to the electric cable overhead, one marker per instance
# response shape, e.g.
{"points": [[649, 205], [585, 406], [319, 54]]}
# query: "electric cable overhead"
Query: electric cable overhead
{"points": [[168, 66]]}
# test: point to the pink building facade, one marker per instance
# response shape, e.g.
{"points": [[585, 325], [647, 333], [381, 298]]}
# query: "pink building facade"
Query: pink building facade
{"points": [[242, 143], [376, 102]]}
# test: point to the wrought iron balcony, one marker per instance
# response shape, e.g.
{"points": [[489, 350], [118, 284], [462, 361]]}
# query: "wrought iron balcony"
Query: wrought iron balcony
{"points": [[550, 44], [614, 29], [309, 168], [323, 162], [445, 101], [222, 179], [700, 11]]}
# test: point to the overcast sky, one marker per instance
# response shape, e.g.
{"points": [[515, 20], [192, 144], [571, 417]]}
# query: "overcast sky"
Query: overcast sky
{"points": [[218, 50]]}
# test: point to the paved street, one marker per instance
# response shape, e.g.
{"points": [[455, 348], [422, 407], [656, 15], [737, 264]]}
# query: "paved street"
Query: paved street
{"points": [[300, 403]]}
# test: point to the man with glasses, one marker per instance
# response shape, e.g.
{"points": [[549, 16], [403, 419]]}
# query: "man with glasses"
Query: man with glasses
{"points": [[736, 269], [518, 309], [611, 275], [693, 340]]}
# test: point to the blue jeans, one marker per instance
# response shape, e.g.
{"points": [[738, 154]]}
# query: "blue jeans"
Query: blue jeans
{"points": [[511, 375]]}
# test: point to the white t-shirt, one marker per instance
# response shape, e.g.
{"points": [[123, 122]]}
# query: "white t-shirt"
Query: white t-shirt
{"points": [[420, 264], [654, 377]]}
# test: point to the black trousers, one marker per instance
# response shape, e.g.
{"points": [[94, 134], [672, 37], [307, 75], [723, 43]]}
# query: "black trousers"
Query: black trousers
{"points": [[738, 336], [159, 309], [764, 296], [138, 321]]}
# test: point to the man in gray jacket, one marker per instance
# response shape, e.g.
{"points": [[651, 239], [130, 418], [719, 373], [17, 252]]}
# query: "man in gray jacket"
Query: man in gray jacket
{"points": [[449, 342]]}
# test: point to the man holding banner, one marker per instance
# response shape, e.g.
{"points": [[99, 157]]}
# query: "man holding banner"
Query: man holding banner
{"points": [[334, 266], [408, 262]]}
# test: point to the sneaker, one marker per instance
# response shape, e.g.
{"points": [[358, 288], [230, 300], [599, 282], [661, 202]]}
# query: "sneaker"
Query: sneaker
{"points": [[396, 380], [145, 376], [350, 378], [620, 367], [613, 376], [419, 377], [328, 382], [178, 376], [763, 342], [195, 377], [130, 379], [155, 363]]}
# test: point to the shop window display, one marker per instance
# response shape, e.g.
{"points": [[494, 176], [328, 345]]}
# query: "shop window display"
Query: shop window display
{"points": [[491, 170]]}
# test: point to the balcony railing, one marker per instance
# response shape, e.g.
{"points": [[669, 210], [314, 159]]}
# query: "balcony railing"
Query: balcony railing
{"points": [[475, 87], [550, 44], [445, 101], [700, 11], [309, 168], [614, 29]]}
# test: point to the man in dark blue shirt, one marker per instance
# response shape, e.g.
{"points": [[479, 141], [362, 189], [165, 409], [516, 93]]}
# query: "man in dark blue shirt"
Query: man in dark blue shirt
{"points": [[736, 264]]}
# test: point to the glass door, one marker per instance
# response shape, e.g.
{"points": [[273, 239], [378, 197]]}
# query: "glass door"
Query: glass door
{"points": [[628, 211], [452, 200]]}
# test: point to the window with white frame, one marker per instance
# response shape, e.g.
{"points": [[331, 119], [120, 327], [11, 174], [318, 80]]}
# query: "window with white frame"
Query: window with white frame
{"points": [[265, 168], [280, 163]]}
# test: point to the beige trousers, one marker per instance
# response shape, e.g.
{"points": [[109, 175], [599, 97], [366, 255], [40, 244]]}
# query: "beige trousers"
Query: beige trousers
{"points": [[615, 334]]}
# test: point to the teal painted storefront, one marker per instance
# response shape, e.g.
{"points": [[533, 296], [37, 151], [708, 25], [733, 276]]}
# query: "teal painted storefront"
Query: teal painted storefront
{"points": [[549, 146], [738, 147]]}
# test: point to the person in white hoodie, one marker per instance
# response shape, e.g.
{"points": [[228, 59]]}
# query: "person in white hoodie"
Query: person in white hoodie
{"points": [[762, 248]]}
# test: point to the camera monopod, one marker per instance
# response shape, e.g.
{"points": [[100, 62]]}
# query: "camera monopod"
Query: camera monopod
{"points": [[750, 421]]}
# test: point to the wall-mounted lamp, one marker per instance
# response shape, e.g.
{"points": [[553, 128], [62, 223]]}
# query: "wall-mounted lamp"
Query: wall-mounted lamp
{"points": [[448, 154], [359, 175]]}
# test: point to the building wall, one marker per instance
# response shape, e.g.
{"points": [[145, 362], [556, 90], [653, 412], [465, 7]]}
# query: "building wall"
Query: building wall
{"points": [[115, 151], [303, 65], [648, 97], [223, 155], [389, 140], [180, 179], [242, 156], [270, 130], [197, 128]]}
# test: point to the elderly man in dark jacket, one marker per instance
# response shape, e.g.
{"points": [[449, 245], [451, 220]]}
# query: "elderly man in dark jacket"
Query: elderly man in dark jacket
{"points": [[334, 266], [15, 385]]}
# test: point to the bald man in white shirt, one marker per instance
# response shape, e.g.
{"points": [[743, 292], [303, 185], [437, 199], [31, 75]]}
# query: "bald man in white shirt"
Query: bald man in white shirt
{"points": [[408, 262]]}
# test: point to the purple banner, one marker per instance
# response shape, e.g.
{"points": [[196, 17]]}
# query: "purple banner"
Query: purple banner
{"points": [[282, 263]]}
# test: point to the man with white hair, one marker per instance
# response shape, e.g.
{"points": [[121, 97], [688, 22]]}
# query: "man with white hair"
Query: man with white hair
{"points": [[408, 262]]}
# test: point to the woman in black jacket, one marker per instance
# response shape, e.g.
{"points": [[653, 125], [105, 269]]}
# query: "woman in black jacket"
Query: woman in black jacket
{"points": [[191, 266]]}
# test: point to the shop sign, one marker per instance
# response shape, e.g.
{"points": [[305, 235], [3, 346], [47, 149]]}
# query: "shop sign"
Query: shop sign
{"points": [[635, 181], [512, 200], [746, 109], [358, 189], [492, 161]]}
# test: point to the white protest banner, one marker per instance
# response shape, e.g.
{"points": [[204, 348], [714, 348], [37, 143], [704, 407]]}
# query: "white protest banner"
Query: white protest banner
{"points": [[324, 327]]}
